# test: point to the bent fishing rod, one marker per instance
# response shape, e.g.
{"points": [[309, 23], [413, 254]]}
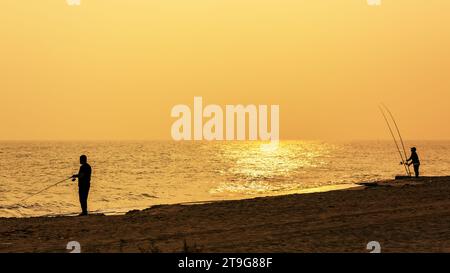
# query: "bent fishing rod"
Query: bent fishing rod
{"points": [[395, 141], [399, 135], [49, 187]]}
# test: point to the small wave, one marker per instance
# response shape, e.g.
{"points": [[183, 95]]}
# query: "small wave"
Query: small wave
{"points": [[20, 206], [11, 207], [149, 196]]}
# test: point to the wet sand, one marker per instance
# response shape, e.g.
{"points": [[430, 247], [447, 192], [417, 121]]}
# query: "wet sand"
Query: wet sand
{"points": [[403, 216]]}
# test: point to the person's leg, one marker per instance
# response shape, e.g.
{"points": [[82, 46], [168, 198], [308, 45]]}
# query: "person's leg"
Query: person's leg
{"points": [[84, 192], [417, 170], [81, 196], [85, 204]]}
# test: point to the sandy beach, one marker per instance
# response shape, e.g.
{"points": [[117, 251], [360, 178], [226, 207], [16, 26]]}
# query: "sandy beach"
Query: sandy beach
{"points": [[403, 216]]}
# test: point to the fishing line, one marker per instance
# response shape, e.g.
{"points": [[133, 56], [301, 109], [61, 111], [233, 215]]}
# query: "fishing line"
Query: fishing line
{"points": [[64, 180], [395, 140], [399, 135]]}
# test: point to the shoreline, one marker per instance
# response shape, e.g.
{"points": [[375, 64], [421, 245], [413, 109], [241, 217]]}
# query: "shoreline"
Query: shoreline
{"points": [[326, 188], [411, 215]]}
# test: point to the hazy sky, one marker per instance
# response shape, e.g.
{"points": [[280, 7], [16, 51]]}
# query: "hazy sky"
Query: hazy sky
{"points": [[113, 69]]}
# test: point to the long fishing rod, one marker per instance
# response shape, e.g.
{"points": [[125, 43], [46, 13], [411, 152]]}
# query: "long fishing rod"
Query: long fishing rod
{"points": [[393, 137], [399, 135], [65, 179]]}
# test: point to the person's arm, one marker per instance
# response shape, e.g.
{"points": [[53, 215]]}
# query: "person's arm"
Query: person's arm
{"points": [[84, 171], [78, 175]]}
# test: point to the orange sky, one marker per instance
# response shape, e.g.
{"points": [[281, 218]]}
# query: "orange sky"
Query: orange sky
{"points": [[113, 69]]}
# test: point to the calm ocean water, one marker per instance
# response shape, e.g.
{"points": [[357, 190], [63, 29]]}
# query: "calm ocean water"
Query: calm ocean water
{"points": [[136, 175]]}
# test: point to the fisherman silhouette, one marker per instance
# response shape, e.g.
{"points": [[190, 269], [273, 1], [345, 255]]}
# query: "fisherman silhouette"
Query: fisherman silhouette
{"points": [[414, 161], [84, 183]]}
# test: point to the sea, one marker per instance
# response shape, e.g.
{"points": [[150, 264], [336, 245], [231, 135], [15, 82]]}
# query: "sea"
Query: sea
{"points": [[134, 175]]}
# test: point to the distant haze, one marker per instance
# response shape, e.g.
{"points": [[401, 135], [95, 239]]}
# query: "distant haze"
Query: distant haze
{"points": [[114, 69]]}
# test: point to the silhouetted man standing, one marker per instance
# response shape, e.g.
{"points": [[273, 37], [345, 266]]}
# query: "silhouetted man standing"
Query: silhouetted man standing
{"points": [[414, 161], [84, 183]]}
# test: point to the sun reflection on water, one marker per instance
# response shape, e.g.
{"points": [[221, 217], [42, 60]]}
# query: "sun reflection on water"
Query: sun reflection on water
{"points": [[256, 167]]}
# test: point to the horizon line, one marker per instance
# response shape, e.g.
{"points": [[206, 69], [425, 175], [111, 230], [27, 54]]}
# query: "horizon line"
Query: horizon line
{"points": [[171, 140]]}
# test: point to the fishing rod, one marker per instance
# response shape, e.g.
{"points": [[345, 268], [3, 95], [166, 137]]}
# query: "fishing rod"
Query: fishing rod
{"points": [[399, 135], [395, 140], [64, 180]]}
